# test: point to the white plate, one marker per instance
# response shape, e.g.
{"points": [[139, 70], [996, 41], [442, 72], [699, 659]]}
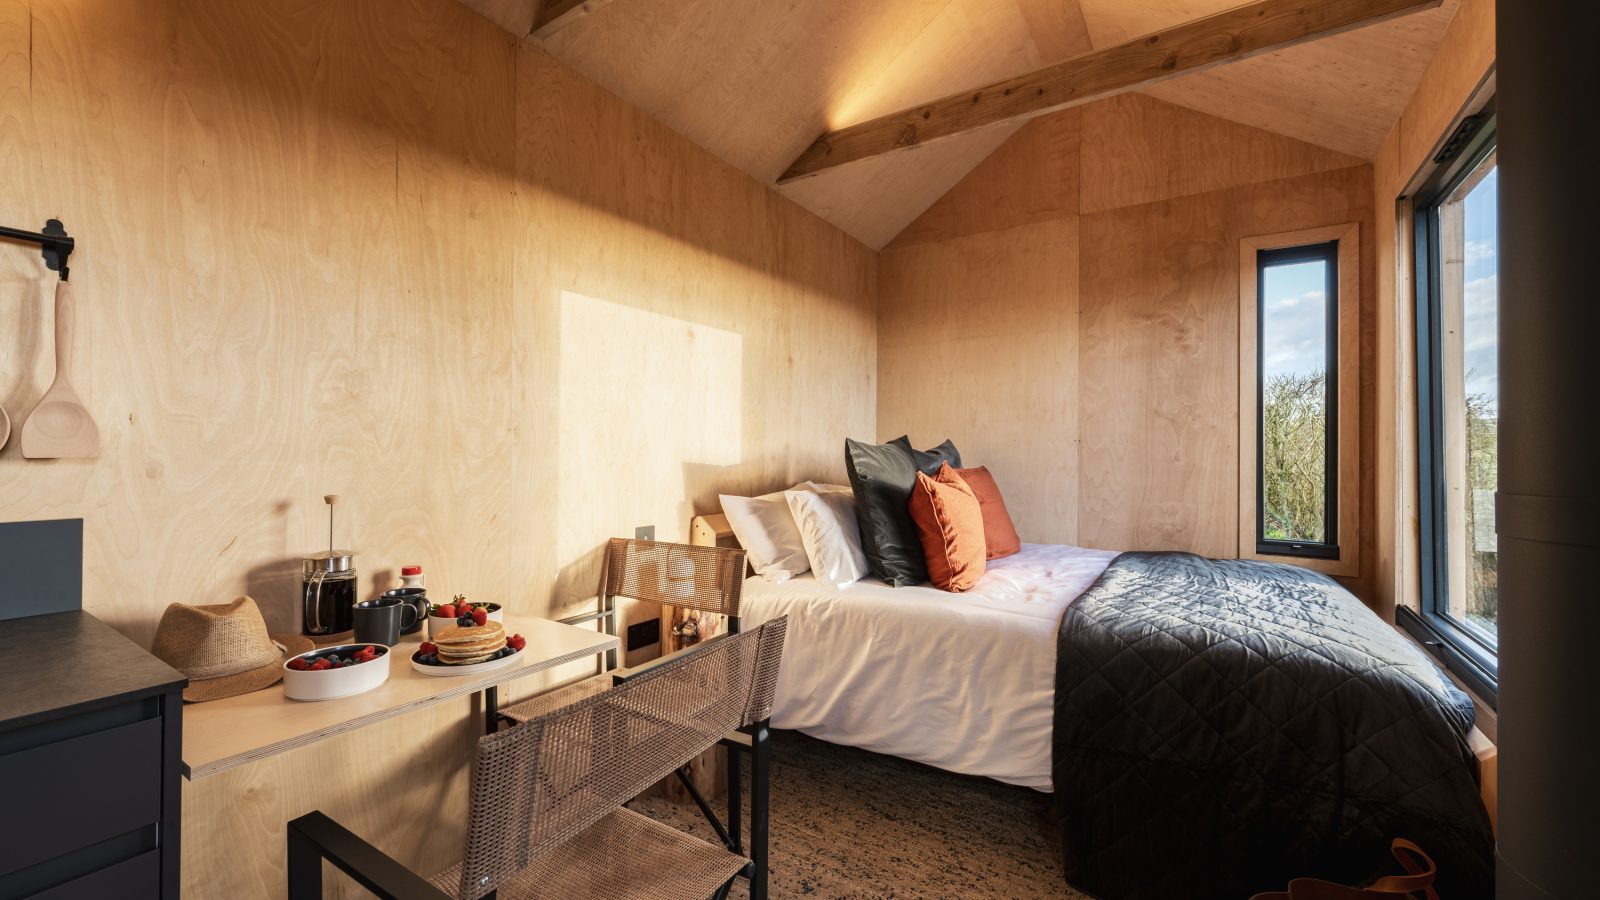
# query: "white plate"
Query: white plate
{"points": [[472, 669]]}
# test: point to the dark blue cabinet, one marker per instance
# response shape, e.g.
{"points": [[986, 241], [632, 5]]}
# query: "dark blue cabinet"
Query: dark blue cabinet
{"points": [[90, 743]]}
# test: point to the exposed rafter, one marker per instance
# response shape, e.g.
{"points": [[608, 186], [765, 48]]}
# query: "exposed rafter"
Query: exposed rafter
{"points": [[1235, 34], [554, 15]]}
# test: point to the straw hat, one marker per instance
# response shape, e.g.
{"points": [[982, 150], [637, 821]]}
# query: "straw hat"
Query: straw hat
{"points": [[224, 649]]}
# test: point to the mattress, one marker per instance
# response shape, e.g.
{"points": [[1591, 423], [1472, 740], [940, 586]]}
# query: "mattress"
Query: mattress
{"points": [[964, 682]]}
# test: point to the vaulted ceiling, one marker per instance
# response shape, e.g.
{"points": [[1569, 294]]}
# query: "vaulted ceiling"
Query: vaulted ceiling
{"points": [[756, 82]]}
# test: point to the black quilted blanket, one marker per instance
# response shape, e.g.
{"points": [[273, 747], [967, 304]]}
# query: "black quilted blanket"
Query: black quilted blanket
{"points": [[1222, 726]]}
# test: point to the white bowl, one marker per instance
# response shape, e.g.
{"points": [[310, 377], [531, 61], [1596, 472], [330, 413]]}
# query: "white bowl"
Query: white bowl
{"points": [[437, 624], [330, 684]]}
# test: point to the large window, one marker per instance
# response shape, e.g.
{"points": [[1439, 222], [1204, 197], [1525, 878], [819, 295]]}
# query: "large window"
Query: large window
{"points": [[1298, 321], [1457, 273]]}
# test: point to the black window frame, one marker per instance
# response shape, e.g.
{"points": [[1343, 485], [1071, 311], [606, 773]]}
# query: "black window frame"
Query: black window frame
{"points": [[1328, 547], [1468, 653]]}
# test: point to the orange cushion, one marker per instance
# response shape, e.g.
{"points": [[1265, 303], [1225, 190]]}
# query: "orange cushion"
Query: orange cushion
{"points": [[950, 523], [999, 534]]}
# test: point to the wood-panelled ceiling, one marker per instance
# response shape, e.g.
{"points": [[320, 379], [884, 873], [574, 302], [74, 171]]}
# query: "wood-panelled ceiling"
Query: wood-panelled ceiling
{"points": [[756, 82]]}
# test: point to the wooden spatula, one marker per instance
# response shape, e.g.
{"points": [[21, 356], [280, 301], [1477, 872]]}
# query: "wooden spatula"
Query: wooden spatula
{"points": [[59, 427]]}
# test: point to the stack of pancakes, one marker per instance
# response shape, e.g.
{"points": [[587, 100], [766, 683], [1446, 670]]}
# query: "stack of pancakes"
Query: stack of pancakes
{"points": [[460, 646]]}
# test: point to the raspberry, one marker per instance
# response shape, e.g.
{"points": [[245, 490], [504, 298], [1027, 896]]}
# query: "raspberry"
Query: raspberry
{"points": [[480, 616], [321, 665], [298, 664], [428, 647]]}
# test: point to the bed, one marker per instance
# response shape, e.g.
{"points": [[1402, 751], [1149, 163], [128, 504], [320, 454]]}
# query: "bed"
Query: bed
{"points": [[1209, 727]]}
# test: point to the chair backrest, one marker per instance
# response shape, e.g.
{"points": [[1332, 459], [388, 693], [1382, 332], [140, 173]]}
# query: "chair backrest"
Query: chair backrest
{"points": [[704, 578], [540, 783]]}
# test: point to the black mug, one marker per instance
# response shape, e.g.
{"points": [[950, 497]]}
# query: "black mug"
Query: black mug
{"points": [[380, 621], [417, 597]]}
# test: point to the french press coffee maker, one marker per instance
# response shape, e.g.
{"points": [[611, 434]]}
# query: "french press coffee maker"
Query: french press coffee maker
{"points": [[328, 586]]}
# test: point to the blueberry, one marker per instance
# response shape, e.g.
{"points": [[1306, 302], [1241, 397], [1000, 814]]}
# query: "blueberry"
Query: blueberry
{"points": [[465, 621]]}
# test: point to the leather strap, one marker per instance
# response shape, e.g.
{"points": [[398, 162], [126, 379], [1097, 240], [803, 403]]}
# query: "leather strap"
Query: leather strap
{"points": [[1420, 872]]}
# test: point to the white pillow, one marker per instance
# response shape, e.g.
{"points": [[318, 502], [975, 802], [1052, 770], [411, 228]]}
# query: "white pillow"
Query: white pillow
{"points": [[832, 539], [766, 530]]}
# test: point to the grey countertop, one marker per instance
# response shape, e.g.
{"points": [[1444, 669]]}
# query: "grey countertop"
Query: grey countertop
{"points": [[65, 660]]}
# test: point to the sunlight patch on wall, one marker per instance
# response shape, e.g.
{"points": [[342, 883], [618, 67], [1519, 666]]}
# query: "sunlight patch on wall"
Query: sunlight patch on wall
{"points": [[644, 397]]}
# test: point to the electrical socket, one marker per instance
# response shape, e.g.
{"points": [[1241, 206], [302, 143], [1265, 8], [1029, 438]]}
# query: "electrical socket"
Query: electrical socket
{"points": [[643, 634], [644, 533]]}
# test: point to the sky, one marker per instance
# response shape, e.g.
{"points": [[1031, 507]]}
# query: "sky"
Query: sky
{"points": [[1294, 319], [1294, 312], [1481, 330]]}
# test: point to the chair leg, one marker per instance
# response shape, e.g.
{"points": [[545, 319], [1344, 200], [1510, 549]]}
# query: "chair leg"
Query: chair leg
{"points": [[305, 867], [735, 800], [760, 772]]}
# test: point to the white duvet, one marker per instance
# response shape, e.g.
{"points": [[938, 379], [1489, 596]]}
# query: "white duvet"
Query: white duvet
{"points": [[959, 681]]}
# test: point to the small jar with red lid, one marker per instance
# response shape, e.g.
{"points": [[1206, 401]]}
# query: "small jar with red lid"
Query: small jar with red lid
{"points": [[411, 576]]}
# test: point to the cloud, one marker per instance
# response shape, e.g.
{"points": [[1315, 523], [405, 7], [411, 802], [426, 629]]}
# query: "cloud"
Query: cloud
{"points": [[1296, 334], [1479, 251], [1481, 337]]}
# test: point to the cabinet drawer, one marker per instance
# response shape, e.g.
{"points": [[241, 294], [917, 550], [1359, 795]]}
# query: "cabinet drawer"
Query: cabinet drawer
{"points": [[80, 791], [138, 878]]}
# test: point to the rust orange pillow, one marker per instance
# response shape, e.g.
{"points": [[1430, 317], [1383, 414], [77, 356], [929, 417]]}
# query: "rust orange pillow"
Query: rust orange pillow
{"points": [[950, 523], [999, 534]]}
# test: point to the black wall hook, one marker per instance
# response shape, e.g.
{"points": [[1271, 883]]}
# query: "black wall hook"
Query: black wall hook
{"points": [[56, 245]]}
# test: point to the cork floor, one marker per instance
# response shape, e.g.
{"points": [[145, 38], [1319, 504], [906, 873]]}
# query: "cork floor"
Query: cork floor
{"points": [[851, 824]]}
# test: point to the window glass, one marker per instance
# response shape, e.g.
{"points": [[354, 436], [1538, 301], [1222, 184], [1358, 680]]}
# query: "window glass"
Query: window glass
{"points": [[1298, 389], [1294, 370], [1469, 304]]}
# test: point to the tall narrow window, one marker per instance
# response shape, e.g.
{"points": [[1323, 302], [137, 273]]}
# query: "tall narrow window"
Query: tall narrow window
{"points": [[1458, 405], [1297, 348], [1299, 449]]}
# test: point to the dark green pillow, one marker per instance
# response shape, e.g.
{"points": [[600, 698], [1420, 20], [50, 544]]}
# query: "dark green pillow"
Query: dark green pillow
{"points": [[882, 476]]}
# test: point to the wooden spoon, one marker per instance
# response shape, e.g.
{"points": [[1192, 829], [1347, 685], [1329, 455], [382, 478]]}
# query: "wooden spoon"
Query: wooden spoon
{"points": [[60, 427], [5, 426]]}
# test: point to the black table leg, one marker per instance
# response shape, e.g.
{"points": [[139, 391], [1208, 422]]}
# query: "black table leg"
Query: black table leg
{"points": [[491, 709]]}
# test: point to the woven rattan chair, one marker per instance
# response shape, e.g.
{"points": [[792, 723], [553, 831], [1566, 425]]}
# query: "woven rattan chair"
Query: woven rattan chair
{"points": [[708, 579], [547, 818]]}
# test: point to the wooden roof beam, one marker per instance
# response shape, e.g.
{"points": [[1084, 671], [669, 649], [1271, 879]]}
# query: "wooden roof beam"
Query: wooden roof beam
{"points": [[554, 15], [1238, 33]]}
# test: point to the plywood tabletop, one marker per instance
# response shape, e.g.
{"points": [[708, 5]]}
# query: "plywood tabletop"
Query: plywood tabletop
{"points": [[222, 734]]}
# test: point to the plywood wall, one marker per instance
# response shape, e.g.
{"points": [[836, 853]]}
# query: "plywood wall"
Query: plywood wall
{"points": [[989, 354], [1458, 72], [1109, 250], [382, 249]]}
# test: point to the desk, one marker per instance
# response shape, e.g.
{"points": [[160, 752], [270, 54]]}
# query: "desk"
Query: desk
{"points": [[222, 734]]}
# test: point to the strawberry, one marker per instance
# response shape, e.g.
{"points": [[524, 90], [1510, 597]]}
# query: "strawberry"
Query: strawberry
{"points": [[447, 611], [480, 616]]}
